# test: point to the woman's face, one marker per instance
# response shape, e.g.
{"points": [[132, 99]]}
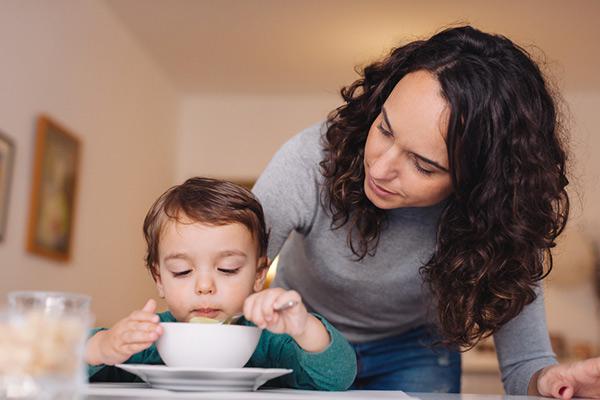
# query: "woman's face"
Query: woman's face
{"points": [[406, 161]]}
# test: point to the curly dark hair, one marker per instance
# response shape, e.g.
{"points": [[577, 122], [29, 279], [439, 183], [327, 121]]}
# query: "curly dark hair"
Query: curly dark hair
{"points": [[507, 163]]}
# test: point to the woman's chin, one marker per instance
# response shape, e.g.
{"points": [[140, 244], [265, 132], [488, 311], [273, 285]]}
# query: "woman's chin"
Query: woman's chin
{"points": [[379, 202]]}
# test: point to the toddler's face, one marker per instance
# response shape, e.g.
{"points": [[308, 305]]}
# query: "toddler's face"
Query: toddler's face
{"points": [[207, 271]]}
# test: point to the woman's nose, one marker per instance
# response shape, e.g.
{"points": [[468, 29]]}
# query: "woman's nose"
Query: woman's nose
{"points": [[386, 166]]}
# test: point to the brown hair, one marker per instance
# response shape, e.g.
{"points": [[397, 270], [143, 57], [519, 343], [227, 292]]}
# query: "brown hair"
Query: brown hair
{"points": [[207, 201], [507, 162]]}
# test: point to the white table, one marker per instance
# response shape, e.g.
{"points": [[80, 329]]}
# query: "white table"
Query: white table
{"points": [[131, 391]]}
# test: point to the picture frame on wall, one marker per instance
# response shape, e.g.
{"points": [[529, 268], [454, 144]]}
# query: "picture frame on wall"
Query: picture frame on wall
{"points": [[53, 198], [7, 155]]}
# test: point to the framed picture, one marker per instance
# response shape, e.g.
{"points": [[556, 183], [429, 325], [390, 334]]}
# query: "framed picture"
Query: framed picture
{"points": [[55, 174], [7, 155]]}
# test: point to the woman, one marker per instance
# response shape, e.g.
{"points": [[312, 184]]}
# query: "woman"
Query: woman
{"points": [[422, 213]]}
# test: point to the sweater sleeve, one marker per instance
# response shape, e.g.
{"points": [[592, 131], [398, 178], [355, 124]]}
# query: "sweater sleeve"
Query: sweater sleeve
{"points": [[331, 369], [288, 188], [523, 347], [93, 369]]}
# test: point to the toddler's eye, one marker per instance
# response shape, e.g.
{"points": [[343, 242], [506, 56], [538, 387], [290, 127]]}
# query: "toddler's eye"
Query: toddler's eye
{"points": [[182, 273], [229, 271]]}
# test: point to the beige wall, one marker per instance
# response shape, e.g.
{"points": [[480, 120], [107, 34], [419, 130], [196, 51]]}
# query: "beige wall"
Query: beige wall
{"points": [[574, 309], [73, 60], [234, 136]]}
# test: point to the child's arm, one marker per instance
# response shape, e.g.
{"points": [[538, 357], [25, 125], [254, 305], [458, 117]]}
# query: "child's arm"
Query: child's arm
{"points": [[128, 336], [327, 364], [308, 332]]}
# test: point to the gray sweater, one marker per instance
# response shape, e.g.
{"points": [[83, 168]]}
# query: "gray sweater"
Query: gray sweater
{"points": [[380, 296]]}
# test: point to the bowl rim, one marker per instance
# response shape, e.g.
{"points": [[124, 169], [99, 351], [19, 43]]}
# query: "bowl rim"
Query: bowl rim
{"points": [[211, 326]]}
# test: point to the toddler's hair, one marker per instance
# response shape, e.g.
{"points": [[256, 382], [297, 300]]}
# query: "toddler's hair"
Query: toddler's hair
{"points": [[207, 201]]}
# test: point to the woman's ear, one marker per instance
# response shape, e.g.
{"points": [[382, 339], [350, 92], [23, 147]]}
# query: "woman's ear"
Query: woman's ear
{"points": [[262, 267], [158, 281]]}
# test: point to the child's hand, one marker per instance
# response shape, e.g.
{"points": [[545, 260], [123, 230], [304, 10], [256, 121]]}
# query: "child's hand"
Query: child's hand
{"points": [[128, 336], [306, 329], [261, 308]]}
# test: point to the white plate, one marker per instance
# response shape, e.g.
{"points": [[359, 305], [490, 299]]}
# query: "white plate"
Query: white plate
{"points": [[204, 379]]}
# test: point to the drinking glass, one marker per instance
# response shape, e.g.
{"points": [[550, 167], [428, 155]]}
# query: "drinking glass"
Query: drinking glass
{"points": [[42, 339]]}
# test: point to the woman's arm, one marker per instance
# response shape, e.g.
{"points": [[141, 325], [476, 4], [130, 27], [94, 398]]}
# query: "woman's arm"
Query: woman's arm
{"points": [[523, 347], [288, 187]]}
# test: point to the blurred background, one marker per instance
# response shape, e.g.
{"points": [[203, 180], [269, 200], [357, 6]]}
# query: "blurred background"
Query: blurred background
{"points": [[158, 91]]}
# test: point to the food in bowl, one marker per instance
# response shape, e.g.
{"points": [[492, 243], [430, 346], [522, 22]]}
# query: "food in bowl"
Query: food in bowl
{"points": [[194, 345], [204, 320]]}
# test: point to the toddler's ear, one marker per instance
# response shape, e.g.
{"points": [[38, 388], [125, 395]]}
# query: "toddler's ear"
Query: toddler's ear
{"points": [[262, 267], [158, 282]]}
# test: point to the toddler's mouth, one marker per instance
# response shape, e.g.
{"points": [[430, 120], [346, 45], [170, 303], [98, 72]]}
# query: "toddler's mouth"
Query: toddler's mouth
{"points": [[205, 312]]}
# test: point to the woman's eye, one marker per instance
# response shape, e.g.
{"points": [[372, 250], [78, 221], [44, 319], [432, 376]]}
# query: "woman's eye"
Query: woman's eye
{"points": [[229, 271], [181, 273], [422, 170], [384, 131]]}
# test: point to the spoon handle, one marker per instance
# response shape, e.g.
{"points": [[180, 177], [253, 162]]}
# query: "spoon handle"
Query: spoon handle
{"points": [[233, 318], [286, 305]]}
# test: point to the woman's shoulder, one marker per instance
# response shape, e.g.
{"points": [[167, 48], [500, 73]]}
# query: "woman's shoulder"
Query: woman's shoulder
{"points": [[306, 145], [294, 166], [312, 135]]}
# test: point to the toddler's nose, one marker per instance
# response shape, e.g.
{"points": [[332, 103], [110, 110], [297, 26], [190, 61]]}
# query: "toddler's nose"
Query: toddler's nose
{"points": [[205, 285]]}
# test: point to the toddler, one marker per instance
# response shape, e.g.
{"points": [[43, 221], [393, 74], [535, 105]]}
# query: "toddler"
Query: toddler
{"points": [[207, 246]]}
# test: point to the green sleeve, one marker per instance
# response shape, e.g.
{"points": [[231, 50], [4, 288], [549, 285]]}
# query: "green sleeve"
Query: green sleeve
{"points": [[93, 369], [331, 369], [110, 373]]}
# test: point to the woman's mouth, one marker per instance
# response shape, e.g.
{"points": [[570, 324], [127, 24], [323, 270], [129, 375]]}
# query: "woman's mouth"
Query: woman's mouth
{"points": [[378, 190]]}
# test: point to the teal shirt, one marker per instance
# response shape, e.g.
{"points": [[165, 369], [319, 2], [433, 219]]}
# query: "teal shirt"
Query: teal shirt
{"points": [[331, 369]]}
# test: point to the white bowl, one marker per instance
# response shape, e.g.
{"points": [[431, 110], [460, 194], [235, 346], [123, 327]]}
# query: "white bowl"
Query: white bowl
{"points": [[194, 345]]}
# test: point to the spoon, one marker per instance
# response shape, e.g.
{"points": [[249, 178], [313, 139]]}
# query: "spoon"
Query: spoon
{"points": [[234, 317], [286, 305]]}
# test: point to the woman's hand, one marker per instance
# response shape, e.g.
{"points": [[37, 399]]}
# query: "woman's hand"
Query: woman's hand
{"points": [[130, 335], [305, 329], [577, 379]]}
